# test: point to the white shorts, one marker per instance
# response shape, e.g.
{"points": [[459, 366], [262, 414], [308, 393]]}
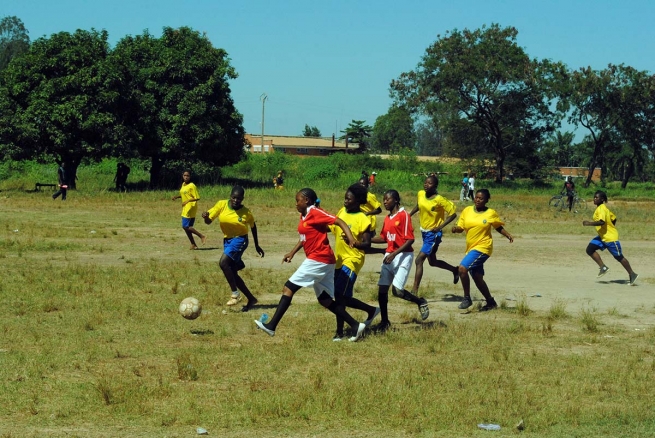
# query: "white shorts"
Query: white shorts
{"points": [[317, 274], [397, 271]]}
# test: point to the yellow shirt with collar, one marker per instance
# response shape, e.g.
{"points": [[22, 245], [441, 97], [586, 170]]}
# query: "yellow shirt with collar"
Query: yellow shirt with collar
{"points": [[433, 211], [233, 223], [477, 226]]}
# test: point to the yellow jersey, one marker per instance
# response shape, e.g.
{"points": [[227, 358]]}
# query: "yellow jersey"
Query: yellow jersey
{"points": [[371, 204], [433, 211], [477, 226], [607, 232], [233, 223], [359, 224], [189, 191]]}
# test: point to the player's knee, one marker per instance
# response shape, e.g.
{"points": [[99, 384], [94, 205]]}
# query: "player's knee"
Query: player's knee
{"points": [[591, 249], [292, 287], [397, 293], [619, 258]]}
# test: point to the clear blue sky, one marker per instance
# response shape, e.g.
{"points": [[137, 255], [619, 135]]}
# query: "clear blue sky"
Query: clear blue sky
{"points": [[329, 62]]}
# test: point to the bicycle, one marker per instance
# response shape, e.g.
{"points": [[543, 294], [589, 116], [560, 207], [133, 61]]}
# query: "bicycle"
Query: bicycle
{"points": [[560, 202]]}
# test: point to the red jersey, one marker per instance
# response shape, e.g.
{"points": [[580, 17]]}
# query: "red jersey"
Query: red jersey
{"points": [[397, 229], [313, 230]]}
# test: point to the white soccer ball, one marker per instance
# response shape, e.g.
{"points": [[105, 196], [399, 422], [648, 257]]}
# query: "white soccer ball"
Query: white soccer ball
{"points": [[190, 308]]}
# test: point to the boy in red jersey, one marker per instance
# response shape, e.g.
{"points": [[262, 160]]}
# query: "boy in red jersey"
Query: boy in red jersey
{"points": [[318, 268], [398, 233]]}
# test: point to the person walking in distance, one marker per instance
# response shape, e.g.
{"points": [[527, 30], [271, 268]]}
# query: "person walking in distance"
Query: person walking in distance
{"points": [[471, 183], [608, 238], [190, 197], [477, 221], [398, 234], [435, 213], [464, 192], [372, 206], [62, 177], [235, 219], [317, 270]]}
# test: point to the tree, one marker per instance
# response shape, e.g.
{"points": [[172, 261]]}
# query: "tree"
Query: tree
{"points": [[616, 107], [14, 40], [484, 78], [429, 138], [176, 100], [393, 131], [357, 132], [59, 99], [311, 131]]}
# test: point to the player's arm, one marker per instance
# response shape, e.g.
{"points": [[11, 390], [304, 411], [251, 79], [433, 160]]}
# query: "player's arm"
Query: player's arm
{"points": [[414, 210], [374, 212], [448, 220], [258, 248], [598, 223], [504, 232], [288, 256], [403, 248], [346, 230]]}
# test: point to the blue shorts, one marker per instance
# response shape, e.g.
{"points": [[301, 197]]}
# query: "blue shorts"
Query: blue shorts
{"points": [[474, 262], [344, 280], [431, 242], [613, 247], [234, 249], [188, 221]]}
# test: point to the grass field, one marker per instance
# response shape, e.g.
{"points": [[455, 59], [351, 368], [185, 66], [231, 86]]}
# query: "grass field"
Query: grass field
{"points": [[92, 344]]}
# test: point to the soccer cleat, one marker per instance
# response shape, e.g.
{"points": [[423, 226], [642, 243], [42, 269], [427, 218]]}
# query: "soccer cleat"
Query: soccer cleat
{"points": [[423, 308], [249, 305], [337, 337], [234, 300], [262, 326], [466, 303], [603, 271], [370, 320], [633, 278], [491, 304], [360, 331]]}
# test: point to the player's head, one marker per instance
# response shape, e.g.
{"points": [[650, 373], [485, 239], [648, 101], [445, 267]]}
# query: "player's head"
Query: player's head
{"points": [[601, 196], [391, 199], [431, 183], [236, 197], [357, 194]]}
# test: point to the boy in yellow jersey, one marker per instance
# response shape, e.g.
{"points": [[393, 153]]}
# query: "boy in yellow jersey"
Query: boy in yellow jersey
{"points": [[235, 220], [190, 197], [372, 206], [477, 221], [349, 260], [435, 213], [608, 237]]}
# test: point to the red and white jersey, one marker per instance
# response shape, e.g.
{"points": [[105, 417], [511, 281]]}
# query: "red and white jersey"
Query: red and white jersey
{"points": [[313, 230], [397, 229]]}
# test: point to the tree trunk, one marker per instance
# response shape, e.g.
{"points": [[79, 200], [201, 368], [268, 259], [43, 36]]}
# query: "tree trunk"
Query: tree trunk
{"points": [[71, 171], [628, 171]]}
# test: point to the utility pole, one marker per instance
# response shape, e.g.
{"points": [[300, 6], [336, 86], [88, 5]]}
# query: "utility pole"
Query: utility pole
{"points": [[263, 98]]}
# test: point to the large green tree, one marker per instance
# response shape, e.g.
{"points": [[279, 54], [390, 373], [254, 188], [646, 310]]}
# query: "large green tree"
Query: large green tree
{"points": [[59, 101], [393, 131], [14, 40], [357, 132], [616, 107], [487, 80], [176, 101]]}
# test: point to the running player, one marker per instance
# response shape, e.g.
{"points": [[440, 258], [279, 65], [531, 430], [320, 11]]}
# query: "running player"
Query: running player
{"points": [[235, 219], [608, 238], [398, 234], [435, 212], [477, 221], [349, 260], [190, 197], [317, 269]]}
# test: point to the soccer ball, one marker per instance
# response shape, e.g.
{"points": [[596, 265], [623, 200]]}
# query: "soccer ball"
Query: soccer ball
{"points": [[190, 308]]}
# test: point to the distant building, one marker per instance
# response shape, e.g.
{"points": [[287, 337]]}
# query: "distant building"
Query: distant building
{"points": [[315, 146], [580, 172]]}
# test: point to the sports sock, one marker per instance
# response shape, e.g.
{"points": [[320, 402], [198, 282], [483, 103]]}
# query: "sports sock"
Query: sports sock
{"points": [[383, 299], [282, 307]]}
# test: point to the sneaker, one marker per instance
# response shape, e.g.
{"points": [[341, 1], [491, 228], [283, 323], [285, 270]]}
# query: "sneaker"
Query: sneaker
{"points": [[382, 327], [375, 315], [234, 300], [423, 308], [466, 303], [262, 326], [603, 271], [491, 304], [358, 335], [337, 337], [633, 278], [249, 305], [455, 277]]}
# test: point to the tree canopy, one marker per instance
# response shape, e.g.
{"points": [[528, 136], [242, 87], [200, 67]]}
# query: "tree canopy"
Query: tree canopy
{"points": [[485, 79], [311, 131], [393, 131], [14, 40], [357, 132]]}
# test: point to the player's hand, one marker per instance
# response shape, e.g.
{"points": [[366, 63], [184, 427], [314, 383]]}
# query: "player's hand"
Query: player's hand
{"points": [[259, 250], [388, 258], [287, 258]]}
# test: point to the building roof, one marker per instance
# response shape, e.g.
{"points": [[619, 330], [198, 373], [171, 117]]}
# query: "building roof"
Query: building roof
{"points": [[301, 141]]}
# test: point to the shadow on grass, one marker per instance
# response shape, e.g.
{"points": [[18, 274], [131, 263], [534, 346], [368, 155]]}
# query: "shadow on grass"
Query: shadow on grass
{"points": [[201, 332]]}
